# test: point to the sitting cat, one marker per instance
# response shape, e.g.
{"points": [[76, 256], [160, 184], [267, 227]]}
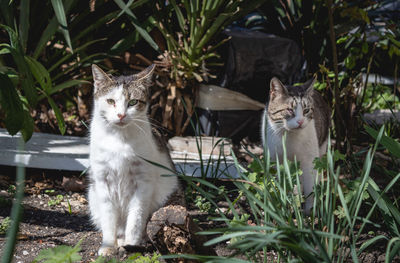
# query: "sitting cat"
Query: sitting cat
{"points": [[124, 188], [302, 113]]}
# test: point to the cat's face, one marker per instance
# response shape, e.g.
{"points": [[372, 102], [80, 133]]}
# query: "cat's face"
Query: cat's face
{"points": [[290, 107], [121, 100]]}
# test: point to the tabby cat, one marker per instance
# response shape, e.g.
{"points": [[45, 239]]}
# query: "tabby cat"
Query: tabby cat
{"points": [[301, 112]]}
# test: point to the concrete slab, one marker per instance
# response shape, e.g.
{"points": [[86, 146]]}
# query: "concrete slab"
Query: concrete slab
{"points": [[70, 153]]}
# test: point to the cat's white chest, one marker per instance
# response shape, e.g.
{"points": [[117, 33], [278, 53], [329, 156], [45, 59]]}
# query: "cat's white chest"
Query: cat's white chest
{"points": [[302, 143]]}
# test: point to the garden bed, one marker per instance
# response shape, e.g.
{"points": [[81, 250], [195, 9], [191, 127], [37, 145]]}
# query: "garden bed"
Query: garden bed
{"points": [[54, 215]]}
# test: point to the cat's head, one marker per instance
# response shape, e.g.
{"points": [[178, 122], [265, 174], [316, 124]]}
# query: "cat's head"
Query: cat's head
{"points": [[290, 107], [121, 100]]}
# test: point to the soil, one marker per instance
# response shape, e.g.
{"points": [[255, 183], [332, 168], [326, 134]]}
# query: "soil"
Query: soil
{"points": [[53, 215]]}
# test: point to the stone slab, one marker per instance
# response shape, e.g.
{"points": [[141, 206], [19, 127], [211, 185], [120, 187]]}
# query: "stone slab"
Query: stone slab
{"points": [[70, 153]]}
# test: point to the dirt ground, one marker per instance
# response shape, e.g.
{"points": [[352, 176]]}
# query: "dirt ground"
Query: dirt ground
{"points": [[54, 215]]}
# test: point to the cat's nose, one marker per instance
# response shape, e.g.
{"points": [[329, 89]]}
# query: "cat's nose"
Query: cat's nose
{"points": [[121, 116], [300, 122]]}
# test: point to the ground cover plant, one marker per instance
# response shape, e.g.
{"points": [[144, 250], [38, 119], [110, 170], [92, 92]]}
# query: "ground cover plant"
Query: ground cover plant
{"points": [[272, 219]]}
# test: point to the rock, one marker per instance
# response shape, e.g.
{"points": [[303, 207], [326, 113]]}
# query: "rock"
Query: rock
{"points": [[368, 258], [25, 253], [172, 231], [73, 184]]}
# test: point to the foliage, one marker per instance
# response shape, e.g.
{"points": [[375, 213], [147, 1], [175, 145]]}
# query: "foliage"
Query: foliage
{"points": [[55, 201], [135, 258], [339, 218], [60, 254], [365, 42], [5, 224], [202, 204], [67, 254], [38, 62], [191, 31], [16, 213]]}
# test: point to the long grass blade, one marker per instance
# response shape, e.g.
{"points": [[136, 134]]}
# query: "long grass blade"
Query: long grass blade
{"points": [[146, 36], [59, 116], [16, 212], [59, 11], [390, 144], [24, 22], [40, 73]]}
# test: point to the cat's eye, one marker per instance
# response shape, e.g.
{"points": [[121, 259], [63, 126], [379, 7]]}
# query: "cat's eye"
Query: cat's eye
{"points": [[111, 101], [132, 103], [305, 111]]}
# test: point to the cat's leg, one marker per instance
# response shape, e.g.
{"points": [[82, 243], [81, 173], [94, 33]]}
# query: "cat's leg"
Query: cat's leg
{"points": [[140, 207], [308, 177], [308, 181], [104, 215], [121, 233], [323, 148]]}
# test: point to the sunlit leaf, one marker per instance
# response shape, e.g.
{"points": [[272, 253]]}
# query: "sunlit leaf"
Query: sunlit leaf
{"points": [[62, 20]]}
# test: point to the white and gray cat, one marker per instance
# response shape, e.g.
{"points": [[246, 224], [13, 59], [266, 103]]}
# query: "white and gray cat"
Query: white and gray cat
{"points": [[301, 112], [124, 188]]}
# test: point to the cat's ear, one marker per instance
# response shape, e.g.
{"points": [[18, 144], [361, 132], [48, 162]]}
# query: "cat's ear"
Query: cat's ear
{"points": [[99, 76], [276, 88], [309, 84], [145, 77]]}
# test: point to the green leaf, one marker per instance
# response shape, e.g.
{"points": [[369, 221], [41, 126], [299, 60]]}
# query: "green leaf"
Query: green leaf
{"points": [[11, 105], [46, 35], [62, 20], [65, 85], [137, 25], [40, 73], [25, 75], [49, 31], [391, 145], [59, 116], [24, 22], [27, 126], [60, 254], [6, 9]]}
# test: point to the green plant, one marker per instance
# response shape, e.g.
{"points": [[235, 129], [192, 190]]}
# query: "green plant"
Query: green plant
{"points": [[16, 212], [202, 204], [190, 30], [11, 190], [338, 220], [50, 191], [25, 80], [5, 224], [60, 254], [68, 254], [49, 46], [55, 201], [138, 258]]}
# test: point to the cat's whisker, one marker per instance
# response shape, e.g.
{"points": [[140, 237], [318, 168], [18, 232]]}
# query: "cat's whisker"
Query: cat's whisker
{"points": [[152, 124], [158, 125]]}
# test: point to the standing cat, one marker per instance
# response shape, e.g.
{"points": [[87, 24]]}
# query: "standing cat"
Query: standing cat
{"points": [[302, 113], [124, 189]]}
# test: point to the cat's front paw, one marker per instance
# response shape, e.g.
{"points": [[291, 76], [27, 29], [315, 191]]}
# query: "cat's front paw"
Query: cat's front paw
{"points": [[107, 251], [121, 242]]}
